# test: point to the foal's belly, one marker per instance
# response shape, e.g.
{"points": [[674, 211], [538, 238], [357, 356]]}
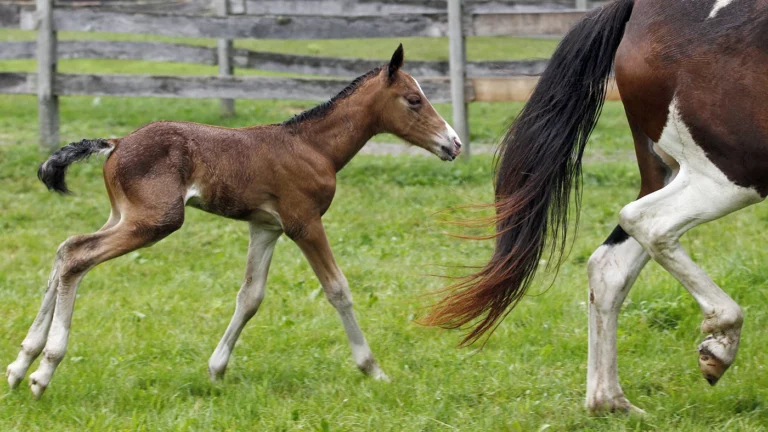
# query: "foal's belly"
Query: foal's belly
{"points": [[224, 202]]}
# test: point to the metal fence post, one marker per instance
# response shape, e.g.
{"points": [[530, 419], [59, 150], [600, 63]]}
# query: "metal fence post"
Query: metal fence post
{"points": [[581, 4], [47, 101], [457, 53], [224, 51]]}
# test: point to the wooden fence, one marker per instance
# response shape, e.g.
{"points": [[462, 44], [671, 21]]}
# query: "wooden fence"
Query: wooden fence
{"points": [[469, 81]]}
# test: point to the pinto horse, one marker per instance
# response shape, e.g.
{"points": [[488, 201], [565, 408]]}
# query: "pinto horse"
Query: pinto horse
{"points": [[692, 77], [279, 178]]}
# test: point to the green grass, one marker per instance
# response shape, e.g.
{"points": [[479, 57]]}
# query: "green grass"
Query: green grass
{"points": [[146, 323]]}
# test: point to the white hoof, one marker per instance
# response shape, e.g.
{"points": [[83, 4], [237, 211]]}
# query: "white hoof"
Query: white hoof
{"points": [[216, 375], [14, 379], [617, 405], [37, 387], [380, 376]]}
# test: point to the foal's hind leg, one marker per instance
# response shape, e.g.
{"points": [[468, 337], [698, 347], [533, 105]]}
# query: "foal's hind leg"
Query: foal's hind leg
{"points": [[700, 193], [248, 298], [35, 341], [314, 243], [38, 333], [78, 255]]}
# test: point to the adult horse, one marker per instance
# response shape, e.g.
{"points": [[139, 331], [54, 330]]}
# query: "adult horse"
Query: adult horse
{"points": [[692, 77], [279, 178]]}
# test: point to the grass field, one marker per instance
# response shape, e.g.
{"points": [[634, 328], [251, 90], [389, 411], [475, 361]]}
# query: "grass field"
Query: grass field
{"points": [[146, 323]]}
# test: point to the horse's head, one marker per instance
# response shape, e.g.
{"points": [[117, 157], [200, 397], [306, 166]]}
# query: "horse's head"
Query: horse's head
{"points": [[405, 111]]}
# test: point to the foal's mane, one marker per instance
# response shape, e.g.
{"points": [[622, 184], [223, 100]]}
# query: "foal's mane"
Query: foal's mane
{"points": [[324, 108]]}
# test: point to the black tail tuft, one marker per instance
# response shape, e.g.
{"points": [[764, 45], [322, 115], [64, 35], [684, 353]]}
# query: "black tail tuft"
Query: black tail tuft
{"points": [[52, 171]]}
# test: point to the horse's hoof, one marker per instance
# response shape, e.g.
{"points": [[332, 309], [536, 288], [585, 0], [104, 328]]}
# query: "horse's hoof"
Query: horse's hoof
{"points": [[618, 405], [380, 376], [13, 379], [711, 367], [215, 375], [36, 386]]}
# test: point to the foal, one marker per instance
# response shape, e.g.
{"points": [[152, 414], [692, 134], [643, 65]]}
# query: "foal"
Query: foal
{"points": [[279, 178], [692, 77]]}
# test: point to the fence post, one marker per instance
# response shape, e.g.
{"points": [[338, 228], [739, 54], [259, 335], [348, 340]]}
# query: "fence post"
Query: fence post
{"points": [[47, 100], [457, 53], [224, 52], [581, 4]]}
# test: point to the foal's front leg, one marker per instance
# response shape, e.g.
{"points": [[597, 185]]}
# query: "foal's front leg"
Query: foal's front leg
{"points": [[314, 243], [248, 298]]}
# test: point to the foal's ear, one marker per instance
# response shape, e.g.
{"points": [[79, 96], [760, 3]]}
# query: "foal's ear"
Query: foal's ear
{"points": [[396, 62]]}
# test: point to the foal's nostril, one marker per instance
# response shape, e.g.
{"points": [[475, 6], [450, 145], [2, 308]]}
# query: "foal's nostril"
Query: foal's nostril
{"points": [[457, 143]]}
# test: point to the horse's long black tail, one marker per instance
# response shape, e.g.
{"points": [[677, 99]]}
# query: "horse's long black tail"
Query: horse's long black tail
{"points": [[538, 165], [53, 171]]}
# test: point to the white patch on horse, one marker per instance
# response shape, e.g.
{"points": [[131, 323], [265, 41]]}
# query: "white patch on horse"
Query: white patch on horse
{"points": [[719, 4], [700, 193], [192, 192]]}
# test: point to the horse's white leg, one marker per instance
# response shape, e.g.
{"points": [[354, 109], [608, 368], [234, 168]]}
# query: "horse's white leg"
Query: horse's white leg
{"points": [[700, 193], [249, 297], [38, 333], [613, 269], [314, 244]]}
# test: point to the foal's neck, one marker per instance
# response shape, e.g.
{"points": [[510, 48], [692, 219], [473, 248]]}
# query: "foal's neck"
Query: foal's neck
{"points": [[341, 133]]}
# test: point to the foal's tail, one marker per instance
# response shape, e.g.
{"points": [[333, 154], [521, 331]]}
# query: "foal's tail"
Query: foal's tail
{"points": [[539, 162], [52, 171]]}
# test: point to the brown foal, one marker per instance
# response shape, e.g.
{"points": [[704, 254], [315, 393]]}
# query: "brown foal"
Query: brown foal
{"points": [[280, 178]]}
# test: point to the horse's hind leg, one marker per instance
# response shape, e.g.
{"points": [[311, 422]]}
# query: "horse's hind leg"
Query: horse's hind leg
{"points": [[248, 298], [613, 269], [700, 193], [34, 343], [79, 254]]}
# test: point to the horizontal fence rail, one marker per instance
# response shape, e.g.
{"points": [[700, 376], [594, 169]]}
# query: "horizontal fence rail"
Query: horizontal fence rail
{"points": [[382, 7], [247, 59], [436, 89], [307, 27], [198, 86]]}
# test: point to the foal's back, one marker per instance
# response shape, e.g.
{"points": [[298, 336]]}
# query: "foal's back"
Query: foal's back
{"points": [[236, 173]]}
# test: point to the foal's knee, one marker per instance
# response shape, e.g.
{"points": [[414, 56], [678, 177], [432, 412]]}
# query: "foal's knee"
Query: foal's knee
{"points": [[249, 298]]}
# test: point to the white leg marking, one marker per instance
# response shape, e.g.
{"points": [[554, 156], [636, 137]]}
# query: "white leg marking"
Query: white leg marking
{"points": [[700, 193], [612, 272], [340, 297], [719, 4], [38, 333], [58, 336], [248, 298]]}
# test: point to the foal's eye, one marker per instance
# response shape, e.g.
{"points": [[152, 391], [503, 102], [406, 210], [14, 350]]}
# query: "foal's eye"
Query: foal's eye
{"points": [[413, 101]]}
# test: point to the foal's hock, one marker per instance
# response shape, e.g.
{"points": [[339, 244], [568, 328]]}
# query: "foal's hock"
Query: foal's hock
{"points": [[279, 178]]}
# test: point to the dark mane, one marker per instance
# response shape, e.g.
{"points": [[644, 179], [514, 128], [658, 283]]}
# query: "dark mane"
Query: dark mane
{"points": [[324, 108]]}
